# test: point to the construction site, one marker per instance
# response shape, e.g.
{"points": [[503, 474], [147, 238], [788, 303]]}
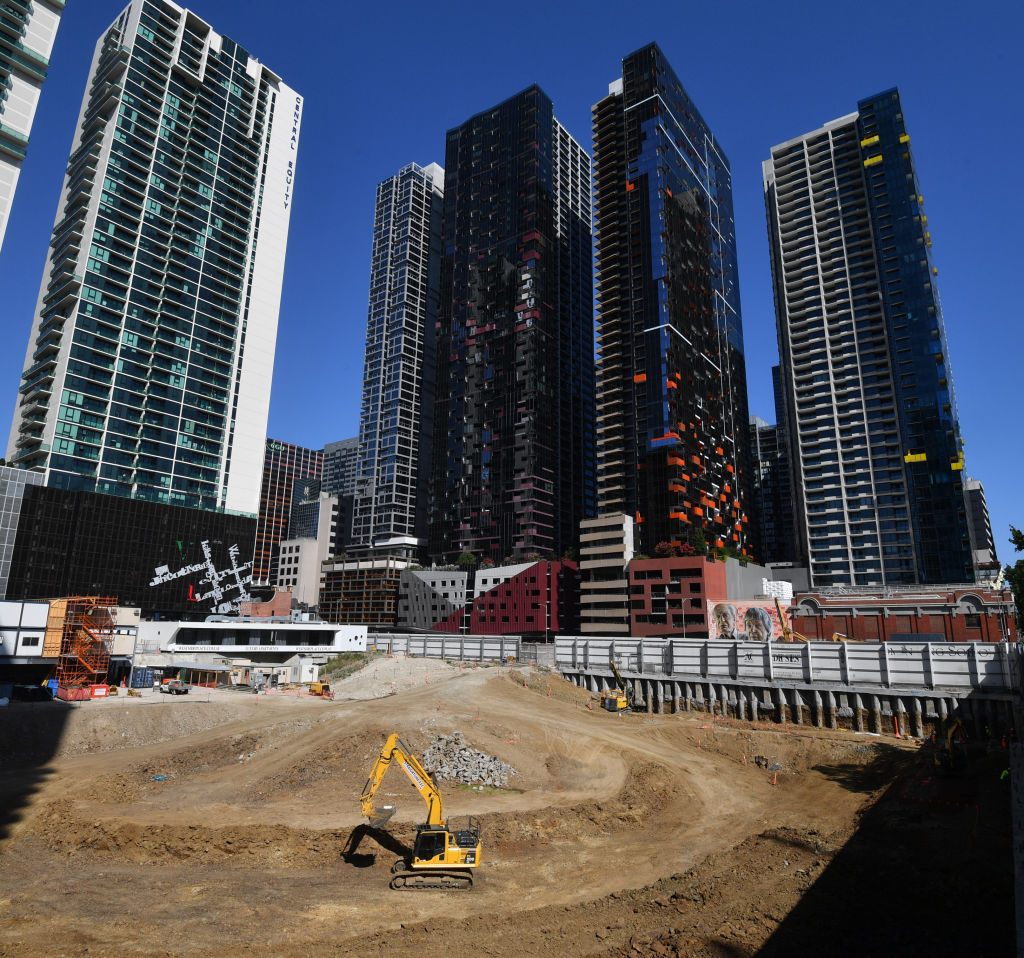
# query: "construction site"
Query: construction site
{"points": [[225, 823]]}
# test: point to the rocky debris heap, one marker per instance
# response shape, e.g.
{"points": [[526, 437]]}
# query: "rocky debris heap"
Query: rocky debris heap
{"points": [[449, 757]]}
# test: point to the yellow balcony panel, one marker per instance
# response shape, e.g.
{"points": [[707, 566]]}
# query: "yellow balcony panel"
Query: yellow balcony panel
{"points": [[872, 160], [869, 141]]}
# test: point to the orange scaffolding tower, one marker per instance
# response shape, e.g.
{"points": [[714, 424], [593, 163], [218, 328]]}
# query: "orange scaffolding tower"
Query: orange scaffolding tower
{"points": [[86, 637]]}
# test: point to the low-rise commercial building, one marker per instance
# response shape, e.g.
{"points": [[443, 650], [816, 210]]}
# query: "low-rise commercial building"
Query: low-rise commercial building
{"points": [[955, 613]]}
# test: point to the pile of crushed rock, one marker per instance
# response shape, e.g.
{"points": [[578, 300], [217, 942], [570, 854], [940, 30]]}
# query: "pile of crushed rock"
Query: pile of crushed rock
{"points": [[449, 757]]}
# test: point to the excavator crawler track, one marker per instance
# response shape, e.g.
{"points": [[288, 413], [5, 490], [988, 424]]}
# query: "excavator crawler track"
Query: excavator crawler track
{"points": [[407, 880]]}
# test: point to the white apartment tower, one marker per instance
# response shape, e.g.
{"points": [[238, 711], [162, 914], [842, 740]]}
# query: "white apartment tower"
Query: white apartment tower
{"points": [[868, 405], [151, 353], [27, 31], [390, 509]]}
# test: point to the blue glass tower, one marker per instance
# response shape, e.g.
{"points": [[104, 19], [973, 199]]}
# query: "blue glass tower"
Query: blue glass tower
{"points": [[672, 399]]}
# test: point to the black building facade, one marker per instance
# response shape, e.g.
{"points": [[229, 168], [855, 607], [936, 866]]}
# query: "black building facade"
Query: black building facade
{"points": [[166, 560], [513, 446]]}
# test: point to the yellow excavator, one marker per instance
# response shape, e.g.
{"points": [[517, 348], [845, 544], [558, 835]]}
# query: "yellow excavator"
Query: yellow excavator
{"points": [[620, 698], [788, 635], [951, 755], [442, 856]]}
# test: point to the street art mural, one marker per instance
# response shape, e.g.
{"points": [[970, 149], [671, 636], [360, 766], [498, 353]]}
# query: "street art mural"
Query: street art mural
{"points": [[754, 620], [225, 588]]}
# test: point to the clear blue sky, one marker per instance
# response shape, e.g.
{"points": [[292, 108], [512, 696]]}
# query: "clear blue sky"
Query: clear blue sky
{"points": [[384, 81]]}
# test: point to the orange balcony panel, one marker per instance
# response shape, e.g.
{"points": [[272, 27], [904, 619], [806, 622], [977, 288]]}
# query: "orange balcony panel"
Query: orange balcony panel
{"points": [[629, 186], [729, 468], [640, 378], [720, 450], [670, 385], [697, 511], [719, 543], [675, 461]]}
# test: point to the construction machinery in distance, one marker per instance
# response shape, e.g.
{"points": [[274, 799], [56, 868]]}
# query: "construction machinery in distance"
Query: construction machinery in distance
{"points": [[951, 755], [442, 856], [322, 689], [788, 635], [622, 698]]}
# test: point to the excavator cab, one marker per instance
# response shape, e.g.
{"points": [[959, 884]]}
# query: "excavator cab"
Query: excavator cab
{"points": [[442, 847], [614, 700]]}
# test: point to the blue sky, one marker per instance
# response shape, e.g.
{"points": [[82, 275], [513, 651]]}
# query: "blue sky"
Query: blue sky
{"points": [[383, 82]]}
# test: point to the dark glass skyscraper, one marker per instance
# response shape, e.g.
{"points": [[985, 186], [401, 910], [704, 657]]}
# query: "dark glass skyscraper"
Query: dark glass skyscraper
{"points": [[868, 395], [514, 421], [286, 469], [671, 381]]}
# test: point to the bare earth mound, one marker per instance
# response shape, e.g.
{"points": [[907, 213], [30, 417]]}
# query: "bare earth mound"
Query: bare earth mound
{"points": [[214, 824]]}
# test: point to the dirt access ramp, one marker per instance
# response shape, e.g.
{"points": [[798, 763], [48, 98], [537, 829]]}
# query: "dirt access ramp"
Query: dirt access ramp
{"points": [[630, 834]]}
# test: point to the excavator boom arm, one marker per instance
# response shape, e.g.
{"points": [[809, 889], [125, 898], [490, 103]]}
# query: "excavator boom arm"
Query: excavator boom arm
{"points": [[396, 750]]}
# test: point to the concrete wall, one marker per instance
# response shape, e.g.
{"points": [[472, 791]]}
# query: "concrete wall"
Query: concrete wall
{"points": [[744, 581]]}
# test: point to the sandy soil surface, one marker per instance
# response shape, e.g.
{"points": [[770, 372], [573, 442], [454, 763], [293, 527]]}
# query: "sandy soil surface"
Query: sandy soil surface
{"points": [[213, 824]]}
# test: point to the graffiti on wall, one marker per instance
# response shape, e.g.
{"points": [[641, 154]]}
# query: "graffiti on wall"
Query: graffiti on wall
{"points": [[740, 621], [224, 588]]}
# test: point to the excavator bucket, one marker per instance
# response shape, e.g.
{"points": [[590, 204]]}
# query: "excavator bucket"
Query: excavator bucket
{"points": [[381, 815]]}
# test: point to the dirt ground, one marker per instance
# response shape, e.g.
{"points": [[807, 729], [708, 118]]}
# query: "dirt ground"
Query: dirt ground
{"points": [[213, 824]]}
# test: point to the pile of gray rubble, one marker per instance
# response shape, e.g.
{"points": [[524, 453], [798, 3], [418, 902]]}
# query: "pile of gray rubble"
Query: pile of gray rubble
{"points": [[450, 758]]}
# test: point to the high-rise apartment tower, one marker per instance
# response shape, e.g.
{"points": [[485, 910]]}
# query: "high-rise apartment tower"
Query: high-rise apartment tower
{"points": [[869, 408], [514, 422], [27, 32], [287, 471], [671, 381], [390, 508], [152, 348]]}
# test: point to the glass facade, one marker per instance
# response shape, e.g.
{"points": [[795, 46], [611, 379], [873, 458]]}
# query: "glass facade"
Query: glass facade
{"points": [[671, 378], [165, 560], [12, 492], [514, 424], [340, 474], [287, 470], [145, 373], [867, 395], [772, 535], [27, 32], [396, 417]]}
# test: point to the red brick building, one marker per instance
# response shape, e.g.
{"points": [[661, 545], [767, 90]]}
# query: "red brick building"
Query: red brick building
{"points": [[669, 597], [538, 598], [949, 614]]}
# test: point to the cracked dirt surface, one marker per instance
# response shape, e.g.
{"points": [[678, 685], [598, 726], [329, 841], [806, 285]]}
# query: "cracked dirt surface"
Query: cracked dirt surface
{"points": [[213, 824]]}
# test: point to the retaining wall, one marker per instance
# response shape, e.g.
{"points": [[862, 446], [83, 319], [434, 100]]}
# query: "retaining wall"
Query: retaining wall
{"points": [[886, 688], [473, 648]]}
